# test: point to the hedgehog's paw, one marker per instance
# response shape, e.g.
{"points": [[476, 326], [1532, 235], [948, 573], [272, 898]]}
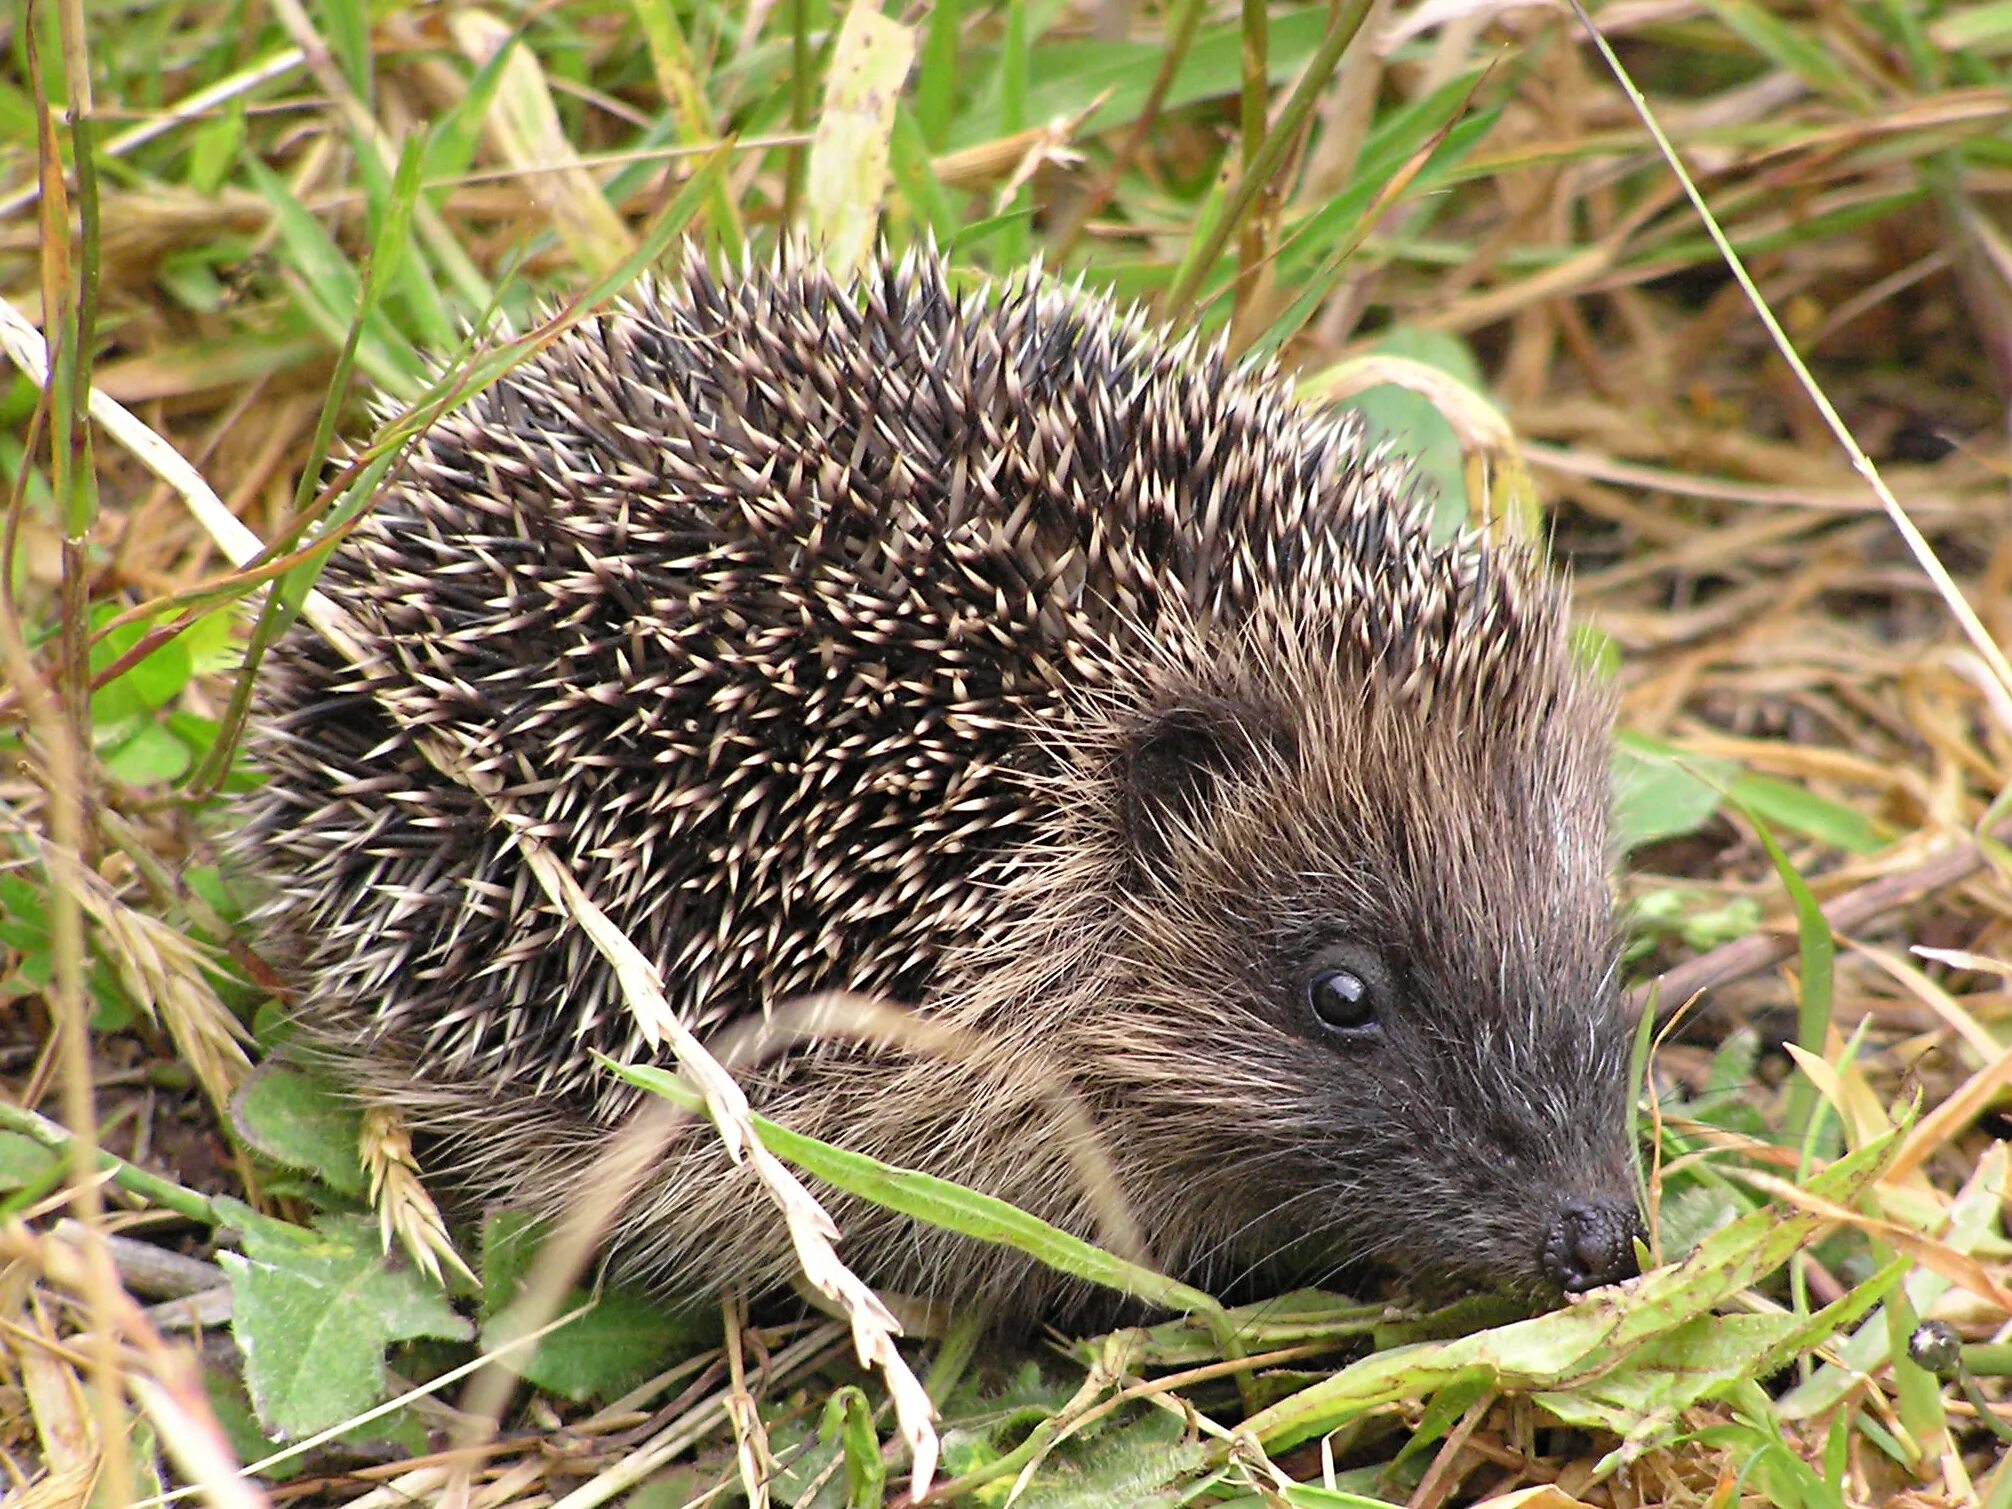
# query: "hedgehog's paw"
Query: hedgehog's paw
{"points": [[404, 1208]]}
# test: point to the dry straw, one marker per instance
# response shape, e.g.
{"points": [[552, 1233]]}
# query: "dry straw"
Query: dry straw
{"points": [[812, 1230]]}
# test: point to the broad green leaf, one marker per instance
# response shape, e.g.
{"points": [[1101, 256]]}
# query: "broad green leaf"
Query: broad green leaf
{"points": [[616, 1339], [1668, 804], [151, 683], [233, 1409], [301, 1120], [1415, 426], [1657, 796], [1642, 1400], [313, 1312], [1139, 1464], [809, 1474], [143, 753], [403, 1428]]}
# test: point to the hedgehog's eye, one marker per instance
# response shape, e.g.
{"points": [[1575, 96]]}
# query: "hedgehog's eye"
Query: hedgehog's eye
{"points": [[1341, 1001], [1344, 992]]}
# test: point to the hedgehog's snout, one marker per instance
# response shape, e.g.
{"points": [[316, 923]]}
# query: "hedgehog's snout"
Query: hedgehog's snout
{"points": [[1590, 1243]]}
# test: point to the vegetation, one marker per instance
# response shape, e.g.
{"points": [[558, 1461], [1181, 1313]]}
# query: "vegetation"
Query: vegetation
{"points": [[233, 220]]}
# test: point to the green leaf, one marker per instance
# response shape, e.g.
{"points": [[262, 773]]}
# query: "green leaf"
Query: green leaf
{"points": [[1784, 805], [314, 1311], [1657, 800], [211, 642], [1413, 423], [346, 24], [1694, 1212], [1568, 1347], [143, 752], [1818, 953], [848, 1419], [1310, 1496], [152, 683], [942, 1203], [1700, 918], [301, 1120], [616, 1339], [1068, 77], [1658, 796], [1288, 1320], [1710, 1357], [915, 175], [936, 78], [214, 146], [401, 1428], [452, 138], [331, 295], [232, 1406], [26, 1164], [1422, 142], [1139, 1465], [1787, 47], [396, 263]]}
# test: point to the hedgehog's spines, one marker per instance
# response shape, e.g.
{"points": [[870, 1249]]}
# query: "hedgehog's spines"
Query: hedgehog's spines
{"points": [[764, 593]]}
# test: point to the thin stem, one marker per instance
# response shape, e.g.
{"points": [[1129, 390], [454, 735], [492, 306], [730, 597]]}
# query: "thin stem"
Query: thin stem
{"points": [[1924, 553]]}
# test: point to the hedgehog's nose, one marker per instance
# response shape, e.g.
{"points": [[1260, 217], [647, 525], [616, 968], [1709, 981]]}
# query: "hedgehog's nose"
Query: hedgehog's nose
{"points": [[1591, 1243]]}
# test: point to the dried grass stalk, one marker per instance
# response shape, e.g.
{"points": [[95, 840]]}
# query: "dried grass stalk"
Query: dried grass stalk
{"points": [[811, 1229]]}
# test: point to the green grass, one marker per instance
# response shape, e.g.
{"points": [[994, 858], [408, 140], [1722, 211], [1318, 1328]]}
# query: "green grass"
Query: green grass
{"points": [[258, 215]]}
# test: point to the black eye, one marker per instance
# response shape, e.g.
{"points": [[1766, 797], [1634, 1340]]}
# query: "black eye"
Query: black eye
{"points": [[1341, 1000], [1344, 992]]}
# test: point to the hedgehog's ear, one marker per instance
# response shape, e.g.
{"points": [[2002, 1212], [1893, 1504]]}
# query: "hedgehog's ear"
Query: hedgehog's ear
{"points": [[1175, 770]]}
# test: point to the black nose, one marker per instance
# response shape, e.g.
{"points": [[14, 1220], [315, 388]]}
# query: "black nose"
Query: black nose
{"points": [[1591, 1243]]}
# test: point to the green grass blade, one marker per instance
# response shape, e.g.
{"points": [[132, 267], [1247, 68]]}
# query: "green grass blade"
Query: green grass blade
{"points": [[942, 1204], [1818, 954], [936, 79]]}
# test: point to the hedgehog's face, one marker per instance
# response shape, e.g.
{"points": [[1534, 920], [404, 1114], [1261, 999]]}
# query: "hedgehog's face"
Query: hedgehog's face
{"points": [[1379, 944]]}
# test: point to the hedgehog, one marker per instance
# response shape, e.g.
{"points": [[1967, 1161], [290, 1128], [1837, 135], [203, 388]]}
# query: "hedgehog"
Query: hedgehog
{"points": [[984, 650]]}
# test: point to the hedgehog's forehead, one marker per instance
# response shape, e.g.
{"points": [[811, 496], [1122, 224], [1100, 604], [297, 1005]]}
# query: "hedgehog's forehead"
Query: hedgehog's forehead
{"points": [[1442, 796], [1472, 757], [1457, 653], [1469, 842]]}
